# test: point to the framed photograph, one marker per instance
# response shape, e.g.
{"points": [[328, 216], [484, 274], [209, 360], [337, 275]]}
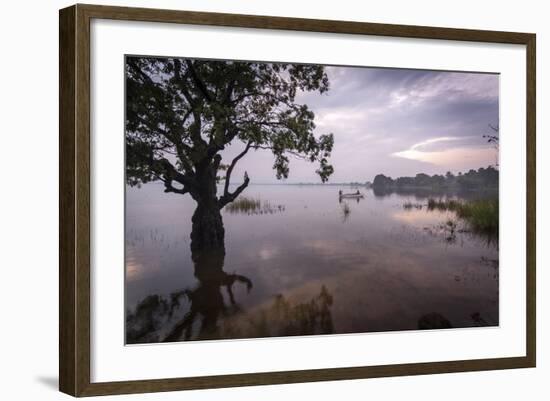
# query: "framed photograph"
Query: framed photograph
{"points": [[251, 200]]}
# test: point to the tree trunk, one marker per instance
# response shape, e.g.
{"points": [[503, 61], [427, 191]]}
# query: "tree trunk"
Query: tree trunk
{"points": [[207, 231], [207, 224]]}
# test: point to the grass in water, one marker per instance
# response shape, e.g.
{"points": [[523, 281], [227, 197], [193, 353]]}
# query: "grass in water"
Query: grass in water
{"points": [[249, 206], [480, 215], [438, 204], [410, 206]]}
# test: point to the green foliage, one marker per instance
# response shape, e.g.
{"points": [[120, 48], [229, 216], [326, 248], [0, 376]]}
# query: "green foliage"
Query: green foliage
{"points": [[181, 113], [442, 205], [482, 216]]}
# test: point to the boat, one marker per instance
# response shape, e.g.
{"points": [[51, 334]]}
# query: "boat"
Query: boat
{"points": [[357, 195]]}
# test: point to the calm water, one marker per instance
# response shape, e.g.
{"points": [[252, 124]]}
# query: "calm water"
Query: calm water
{"points": [[309, 267]]}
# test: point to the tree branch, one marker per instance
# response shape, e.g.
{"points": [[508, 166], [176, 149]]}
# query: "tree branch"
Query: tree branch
{"points": [[168, 187], [136, 68], [167, 173], [182, 84], [230, 197], [197, 80], [229, 91], [232, 166], [290, 152]]}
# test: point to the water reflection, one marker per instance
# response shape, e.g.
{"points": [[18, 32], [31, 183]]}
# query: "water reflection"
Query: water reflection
{"points": [[421, 194], [437, 321], [153, 319], [311, 269], [434, 320], [210, 310], [206, 299]]}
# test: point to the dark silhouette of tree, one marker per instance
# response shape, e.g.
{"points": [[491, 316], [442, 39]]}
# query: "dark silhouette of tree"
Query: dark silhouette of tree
{"points": [[182, 113], [483, 178]]}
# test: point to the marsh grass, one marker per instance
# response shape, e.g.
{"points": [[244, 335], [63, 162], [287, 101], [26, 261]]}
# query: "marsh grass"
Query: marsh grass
{"points": [[481, 216], [250, 206], [410, 206], [438, 204]]}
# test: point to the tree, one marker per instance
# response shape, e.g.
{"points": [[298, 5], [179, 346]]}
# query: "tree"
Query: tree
{"points": [[381, 181], [422, 179], [182, 113]]}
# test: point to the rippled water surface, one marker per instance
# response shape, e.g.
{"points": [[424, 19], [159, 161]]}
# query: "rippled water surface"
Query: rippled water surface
{"points": [[307, 264]]}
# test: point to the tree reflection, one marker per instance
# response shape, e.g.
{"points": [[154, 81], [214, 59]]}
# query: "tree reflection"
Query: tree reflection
{"points": [[206, 299], [210, 310], [152, 320]]}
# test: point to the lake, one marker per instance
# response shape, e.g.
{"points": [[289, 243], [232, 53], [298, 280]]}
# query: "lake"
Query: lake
{"points": [[307, 264]]}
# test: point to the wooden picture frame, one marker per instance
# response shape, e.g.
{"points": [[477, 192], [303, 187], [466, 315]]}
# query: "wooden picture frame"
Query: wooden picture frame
{"points": [[74, 199]]}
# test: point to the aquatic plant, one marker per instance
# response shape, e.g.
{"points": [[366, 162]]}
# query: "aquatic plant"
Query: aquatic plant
{"points": [[410, 206], [481, 216], [450, 229], [438, 204], [250, 206]]}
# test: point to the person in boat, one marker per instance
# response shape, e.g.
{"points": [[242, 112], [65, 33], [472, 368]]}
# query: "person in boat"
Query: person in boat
{"points": [[340, 193], [357, 193]]}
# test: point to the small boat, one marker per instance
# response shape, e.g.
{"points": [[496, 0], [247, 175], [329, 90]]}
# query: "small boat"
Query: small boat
{"points": [[356, 195]]}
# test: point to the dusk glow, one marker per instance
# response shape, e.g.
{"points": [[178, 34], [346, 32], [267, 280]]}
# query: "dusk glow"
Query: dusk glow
{"points": [[395, 122]]}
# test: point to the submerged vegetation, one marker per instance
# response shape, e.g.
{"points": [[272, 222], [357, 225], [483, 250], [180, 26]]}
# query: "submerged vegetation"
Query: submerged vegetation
{"points": [[481, 216], [250, 206]]}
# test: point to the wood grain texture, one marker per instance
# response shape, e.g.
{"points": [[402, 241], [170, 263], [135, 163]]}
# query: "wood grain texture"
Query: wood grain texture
{"points": [[531, 228], [300, 24], [301, 376], [74, 199], [67, 131]]}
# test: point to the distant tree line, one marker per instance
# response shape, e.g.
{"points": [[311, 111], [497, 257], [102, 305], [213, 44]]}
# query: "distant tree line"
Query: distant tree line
{"points": [[483, 178]]}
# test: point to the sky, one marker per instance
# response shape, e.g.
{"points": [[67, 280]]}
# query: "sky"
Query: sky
{"points": [[396, 122]]}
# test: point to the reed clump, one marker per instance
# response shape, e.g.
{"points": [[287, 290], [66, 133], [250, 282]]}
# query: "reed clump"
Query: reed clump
{"points": [[249, 206], [482, 216], [410, 206]]}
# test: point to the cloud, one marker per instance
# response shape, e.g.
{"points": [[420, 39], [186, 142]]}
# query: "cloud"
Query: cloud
{"points": [[446, 152], [419, 150], [396, 122]]}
